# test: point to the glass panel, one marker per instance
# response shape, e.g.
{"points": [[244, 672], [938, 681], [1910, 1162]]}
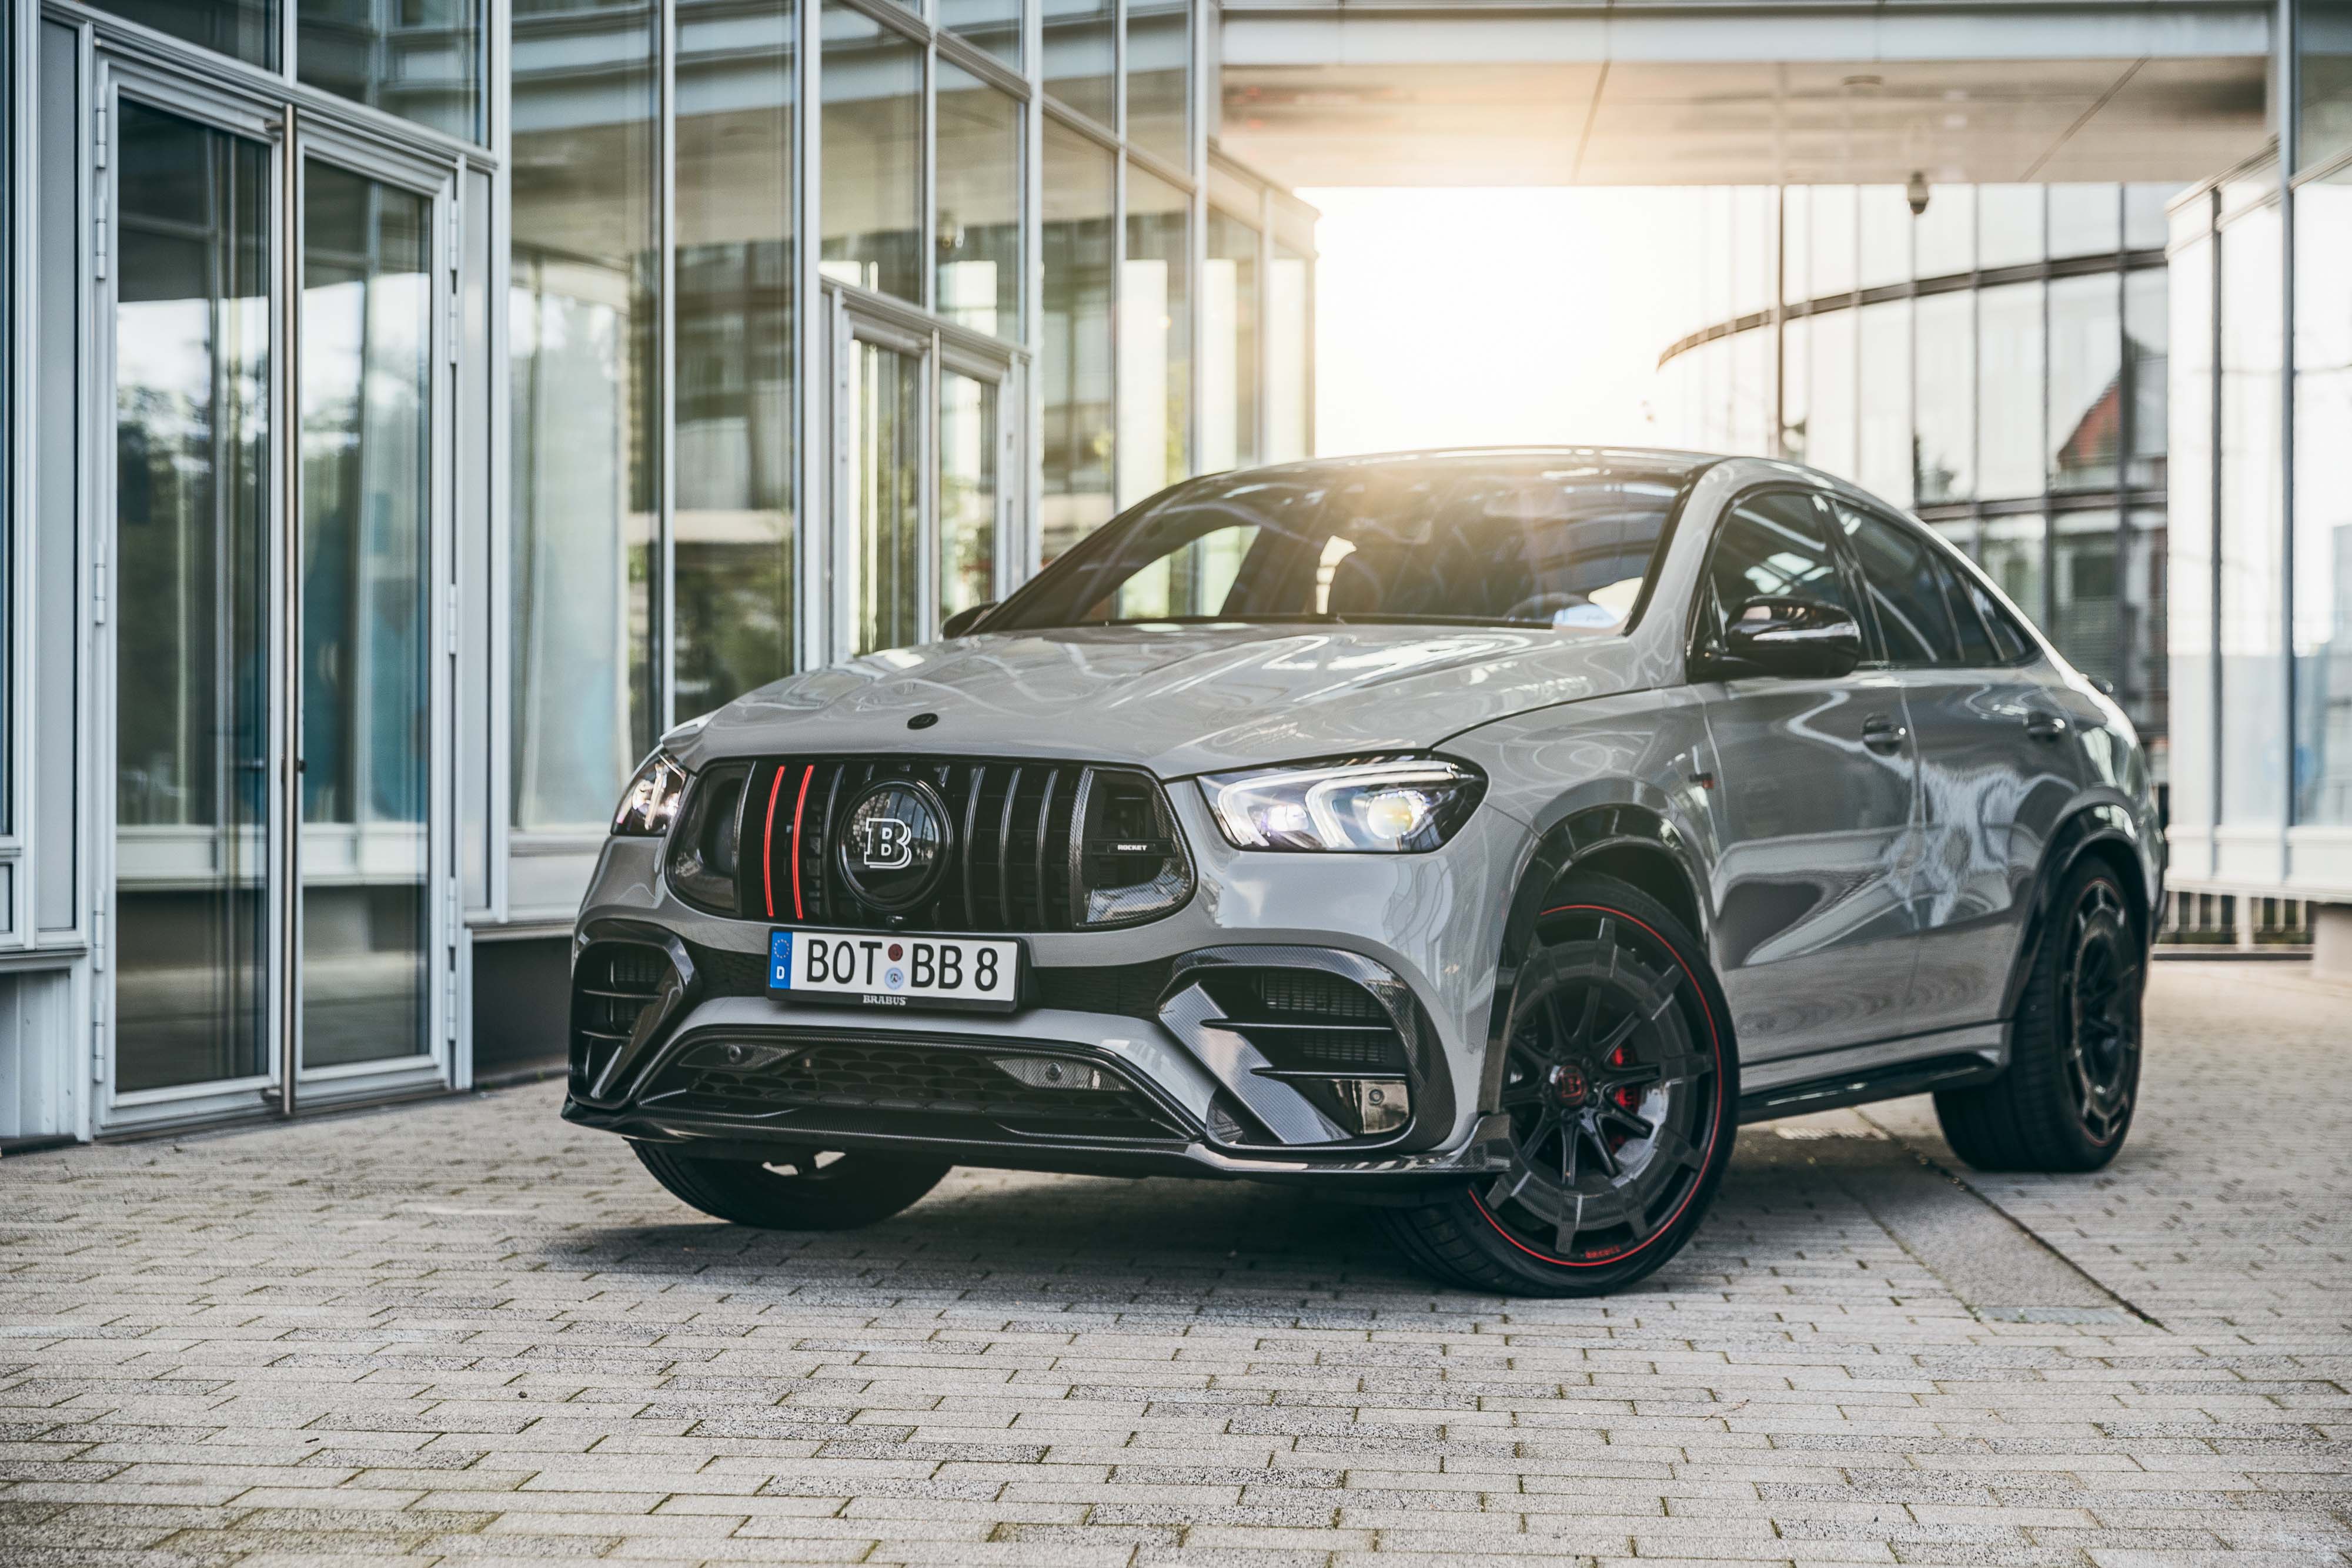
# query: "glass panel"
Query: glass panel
{"points": [[1905, 589], [2010, 455], [1081, 57], [2189, 621], [990, 25], [2141, 684], [1229, 346], [244, 29], [1772, 546], [2086, 220], [873, 131], [2086, 582], [1074, 360], [1751, 391], [1883, 467], [1796, 386], [1289, 331], [883, 432], [583, 310], [1159, 79], [1829, 438], [1944, 238], [2086, 387], [1834, 240], [2323, 502], [732, 546], [2009, 225], [2014, 548], [979, 224], [2145, 319], [421, 59], [968, 492], [2144, 220], [192, 784], [1155, 364], [2253, 696], [1796, 244], [2323, 38], [1750, 252], [367, 315], [1886, 216], [1945, 388]]}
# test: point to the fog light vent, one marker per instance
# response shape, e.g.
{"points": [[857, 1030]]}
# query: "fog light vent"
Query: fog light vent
{"points": [[1381, 1105], [1053, 1072]]}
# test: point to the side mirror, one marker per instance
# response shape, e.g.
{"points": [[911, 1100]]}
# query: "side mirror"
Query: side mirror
{"points": [[1777, 635], [964, 621]]}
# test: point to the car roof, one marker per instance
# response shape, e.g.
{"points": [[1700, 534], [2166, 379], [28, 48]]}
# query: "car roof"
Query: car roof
{"points": [[1657, 462]]}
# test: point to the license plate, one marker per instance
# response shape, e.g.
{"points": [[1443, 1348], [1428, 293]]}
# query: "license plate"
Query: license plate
{"points": [[891, 969]]}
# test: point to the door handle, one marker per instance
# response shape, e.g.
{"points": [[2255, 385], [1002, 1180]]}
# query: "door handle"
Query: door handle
{"points": [[2045, 725], [1881, 732]]}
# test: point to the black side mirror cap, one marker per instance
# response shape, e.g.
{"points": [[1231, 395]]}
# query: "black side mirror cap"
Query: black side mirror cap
{"points": [[1782, 634], [966, 621]]}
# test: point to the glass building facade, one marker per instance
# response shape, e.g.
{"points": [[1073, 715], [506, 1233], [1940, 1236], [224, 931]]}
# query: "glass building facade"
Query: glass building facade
{"points": [[2262, 537], [412, 410], [1996, 362]]}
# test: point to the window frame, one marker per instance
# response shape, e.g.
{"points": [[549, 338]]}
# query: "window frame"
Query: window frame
{"points": [[1702, 642], [1950, 555]]}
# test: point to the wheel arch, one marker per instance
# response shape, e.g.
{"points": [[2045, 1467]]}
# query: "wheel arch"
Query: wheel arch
{"points": [[2103, 831], [1633, 842]]}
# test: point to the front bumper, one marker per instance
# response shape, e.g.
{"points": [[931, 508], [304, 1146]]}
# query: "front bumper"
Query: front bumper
{"points": [[1142, 1009]]}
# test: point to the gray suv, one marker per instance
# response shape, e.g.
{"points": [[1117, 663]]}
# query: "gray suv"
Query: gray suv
{"points": [[1480, 835]]}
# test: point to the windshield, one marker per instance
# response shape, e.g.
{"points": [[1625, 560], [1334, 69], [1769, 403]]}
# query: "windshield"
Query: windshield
{"points": [[1561, 541]]}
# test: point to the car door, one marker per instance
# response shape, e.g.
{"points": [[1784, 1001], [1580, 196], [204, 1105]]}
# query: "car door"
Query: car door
{"points": [[1991, 785], [1814, 804]]}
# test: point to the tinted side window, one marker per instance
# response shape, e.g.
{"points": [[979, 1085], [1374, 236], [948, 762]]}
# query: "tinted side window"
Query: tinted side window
{"points": [[1771, 544], [2010, 641], [1977, 645], [1905, 589]]}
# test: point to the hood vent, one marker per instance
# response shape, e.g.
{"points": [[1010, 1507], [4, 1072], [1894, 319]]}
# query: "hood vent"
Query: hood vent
{"points": [[1031, 846]]}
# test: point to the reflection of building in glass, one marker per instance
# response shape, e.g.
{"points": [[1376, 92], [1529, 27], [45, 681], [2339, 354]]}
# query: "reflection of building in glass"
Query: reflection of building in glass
{"points": [[1997, 363]]}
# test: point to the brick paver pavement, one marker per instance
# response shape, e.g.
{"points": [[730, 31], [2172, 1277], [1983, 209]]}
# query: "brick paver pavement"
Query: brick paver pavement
{"points": [[462, 1331]]}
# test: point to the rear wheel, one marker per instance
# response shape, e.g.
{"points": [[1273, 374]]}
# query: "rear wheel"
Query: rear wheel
{"points": [[1619, 1079], [2065, 1102], [811, 1191]]}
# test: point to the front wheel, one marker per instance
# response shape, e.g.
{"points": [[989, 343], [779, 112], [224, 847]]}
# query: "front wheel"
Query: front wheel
{"points": [[2065, 1102], [796, 1191], [1620, 1080]]}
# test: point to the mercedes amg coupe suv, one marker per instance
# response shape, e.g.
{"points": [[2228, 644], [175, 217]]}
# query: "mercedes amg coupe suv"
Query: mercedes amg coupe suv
{"points": [[1481, 835]]}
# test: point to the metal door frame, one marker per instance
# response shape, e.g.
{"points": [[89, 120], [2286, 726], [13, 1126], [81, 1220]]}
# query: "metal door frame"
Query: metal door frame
{"points": [[852, 315], [290, 136]]}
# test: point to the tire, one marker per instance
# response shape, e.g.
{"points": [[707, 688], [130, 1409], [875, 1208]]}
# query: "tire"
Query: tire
{"points": [[2065, 1102], [795, 1192], [1616, 1025]]}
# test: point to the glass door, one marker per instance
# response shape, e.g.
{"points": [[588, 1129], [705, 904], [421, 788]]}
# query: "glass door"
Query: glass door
{"points": [[923, 449], [268, 539], [187, 570], [363, 555]]}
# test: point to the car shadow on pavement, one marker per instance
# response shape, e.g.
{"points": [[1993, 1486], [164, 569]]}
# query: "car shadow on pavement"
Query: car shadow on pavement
{"points": [[1027, 1242]]}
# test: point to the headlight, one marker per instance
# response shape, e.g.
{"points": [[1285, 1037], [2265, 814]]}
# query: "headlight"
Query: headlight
{"points": [[1382, 805], [650, 802]]}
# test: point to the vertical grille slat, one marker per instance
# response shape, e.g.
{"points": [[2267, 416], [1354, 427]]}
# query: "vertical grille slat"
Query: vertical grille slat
{"points": [[1041, 846]]}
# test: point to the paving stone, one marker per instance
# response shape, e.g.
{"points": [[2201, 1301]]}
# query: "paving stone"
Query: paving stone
{"points": [[464, 1332]]}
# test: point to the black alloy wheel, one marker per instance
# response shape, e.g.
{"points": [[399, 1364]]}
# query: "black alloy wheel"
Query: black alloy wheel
{"points": [[795, 1189], [1619, 1081], [2065, 1102]]}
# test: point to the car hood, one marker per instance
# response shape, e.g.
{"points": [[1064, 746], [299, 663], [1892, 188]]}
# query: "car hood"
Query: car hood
{"points": [[1175, 700]]}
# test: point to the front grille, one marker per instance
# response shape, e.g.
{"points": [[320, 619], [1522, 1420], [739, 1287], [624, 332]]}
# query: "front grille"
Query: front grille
{"points": [[911, 1078], [1036, 846], [611, 984]]}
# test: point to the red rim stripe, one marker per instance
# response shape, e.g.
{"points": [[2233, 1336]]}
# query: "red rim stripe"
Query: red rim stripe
{"points": [[1715, 1043], [799, 805], [768, 844]]}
